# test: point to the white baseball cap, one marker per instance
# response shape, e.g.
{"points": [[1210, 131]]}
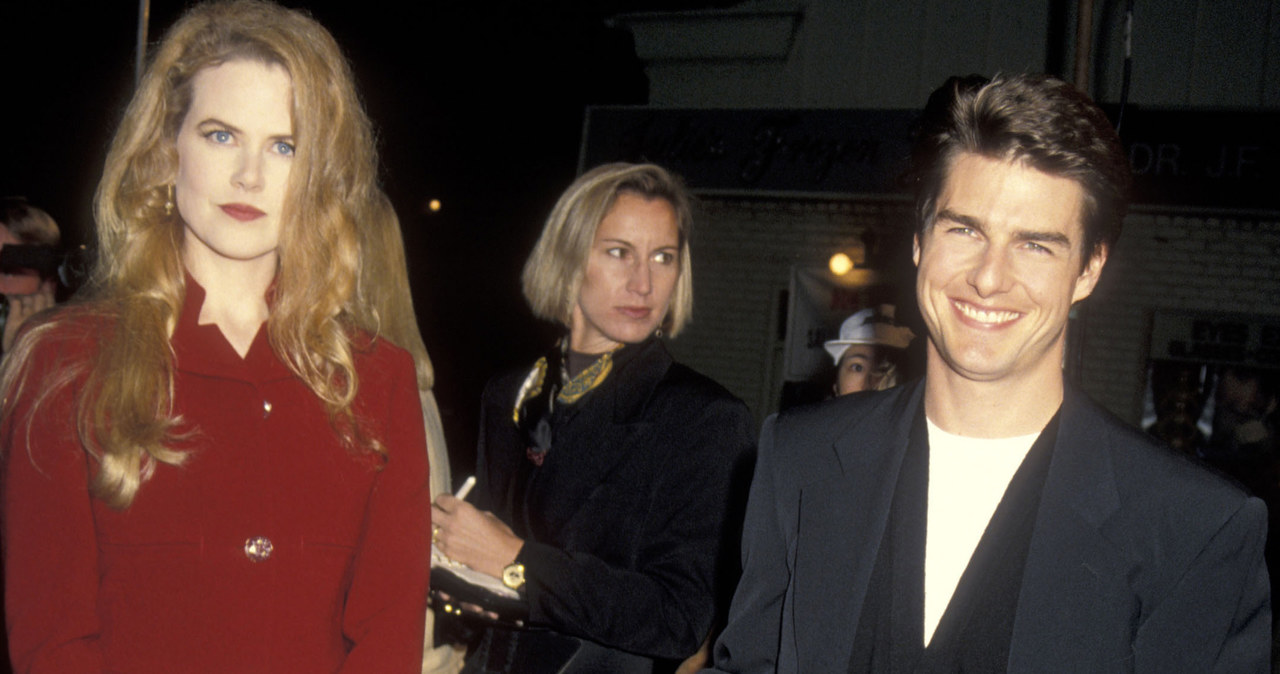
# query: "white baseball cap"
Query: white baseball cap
{"points": [[869, 327]]}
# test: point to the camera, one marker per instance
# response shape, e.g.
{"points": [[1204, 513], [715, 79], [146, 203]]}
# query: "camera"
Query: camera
{"points": [[69, 266]]}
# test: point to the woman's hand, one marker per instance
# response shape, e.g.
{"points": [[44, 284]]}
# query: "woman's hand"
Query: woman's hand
{"points": [[475, 538]]}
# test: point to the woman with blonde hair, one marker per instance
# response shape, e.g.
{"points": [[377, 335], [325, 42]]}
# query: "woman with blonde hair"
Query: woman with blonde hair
{"points": [[606, 471], [215, 457]]}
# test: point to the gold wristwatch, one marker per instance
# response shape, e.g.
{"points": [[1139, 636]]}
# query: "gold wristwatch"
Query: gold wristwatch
{"points": [[513, 575]]}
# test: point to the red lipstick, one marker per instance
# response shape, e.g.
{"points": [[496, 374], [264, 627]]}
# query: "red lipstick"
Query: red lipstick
{"points": [[242, 212]]}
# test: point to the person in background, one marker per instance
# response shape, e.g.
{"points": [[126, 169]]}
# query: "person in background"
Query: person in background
{"points": [[868, 351], [25, 292], [1178, 398], [606, 471], [214, 456]]}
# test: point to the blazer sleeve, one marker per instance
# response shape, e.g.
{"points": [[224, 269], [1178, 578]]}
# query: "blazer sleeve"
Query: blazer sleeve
{"points": [[386, 603], [663, 604], [1218, 616], [50, 541], [751, 640]]}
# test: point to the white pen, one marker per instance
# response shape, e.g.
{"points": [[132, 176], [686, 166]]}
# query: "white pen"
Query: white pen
{"points": [[465, 488]]}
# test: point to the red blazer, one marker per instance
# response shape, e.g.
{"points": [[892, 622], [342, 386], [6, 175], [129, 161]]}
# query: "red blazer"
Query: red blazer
{"points": [[172, 583]]}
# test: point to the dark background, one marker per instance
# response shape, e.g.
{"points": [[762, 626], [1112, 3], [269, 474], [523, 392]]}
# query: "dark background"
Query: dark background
{"points": [[477, 104]]}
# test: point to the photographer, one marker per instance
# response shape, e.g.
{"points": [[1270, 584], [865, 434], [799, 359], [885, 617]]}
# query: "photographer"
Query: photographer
{"points": [[25, 291]]}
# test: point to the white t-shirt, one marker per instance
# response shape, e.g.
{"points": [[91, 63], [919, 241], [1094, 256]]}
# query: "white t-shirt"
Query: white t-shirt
{"points": [[967, 479]]}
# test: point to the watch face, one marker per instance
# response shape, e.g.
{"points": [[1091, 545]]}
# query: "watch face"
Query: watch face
{"points": [[513, 576]]}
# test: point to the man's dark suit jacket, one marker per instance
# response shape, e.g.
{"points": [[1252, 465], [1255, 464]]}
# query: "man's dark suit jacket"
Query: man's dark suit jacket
{"points": [[1140, 560]]}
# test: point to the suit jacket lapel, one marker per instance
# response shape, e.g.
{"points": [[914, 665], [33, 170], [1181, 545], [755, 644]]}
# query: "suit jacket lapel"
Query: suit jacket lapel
{"points": [[841, 525], [1072, 567]]}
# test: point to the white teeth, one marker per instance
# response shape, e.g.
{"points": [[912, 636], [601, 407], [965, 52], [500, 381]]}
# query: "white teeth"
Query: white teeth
{"points": [[986, 316]]}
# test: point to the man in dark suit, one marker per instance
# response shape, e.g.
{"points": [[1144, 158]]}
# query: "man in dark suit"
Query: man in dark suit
{"points": [[990, 517]]}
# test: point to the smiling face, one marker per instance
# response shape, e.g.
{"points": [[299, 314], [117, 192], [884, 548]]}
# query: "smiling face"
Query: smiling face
{"points": [[998, 271], [235, 151], [632, 268]]}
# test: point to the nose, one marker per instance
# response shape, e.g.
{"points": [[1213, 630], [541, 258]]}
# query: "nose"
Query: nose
{"points": [[990, 274], [248, 174], [640, 281]]}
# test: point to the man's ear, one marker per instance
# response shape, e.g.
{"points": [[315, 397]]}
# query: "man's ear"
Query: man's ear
{"points": [[1088, 278]]}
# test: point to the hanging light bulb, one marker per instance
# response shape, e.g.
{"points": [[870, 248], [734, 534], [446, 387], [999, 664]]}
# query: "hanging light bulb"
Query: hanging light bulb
{"points": [[840, 264]]}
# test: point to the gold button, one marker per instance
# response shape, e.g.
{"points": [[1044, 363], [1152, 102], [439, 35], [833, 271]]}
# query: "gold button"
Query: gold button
{"points": [[266, 409], [258, 548]]}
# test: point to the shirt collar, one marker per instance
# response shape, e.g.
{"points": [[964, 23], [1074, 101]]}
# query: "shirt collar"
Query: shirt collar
{"points": [[202, 349]]}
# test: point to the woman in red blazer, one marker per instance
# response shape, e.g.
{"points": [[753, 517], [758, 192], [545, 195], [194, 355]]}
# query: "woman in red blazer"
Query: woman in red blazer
{"points": [[214, 460]]}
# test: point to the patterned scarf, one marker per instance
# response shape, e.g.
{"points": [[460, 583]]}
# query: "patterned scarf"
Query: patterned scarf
{"points": [[548, 385]]}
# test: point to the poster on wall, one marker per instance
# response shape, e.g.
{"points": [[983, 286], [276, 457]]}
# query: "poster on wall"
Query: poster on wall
{"points": [[819, 302], [1213, 384]]}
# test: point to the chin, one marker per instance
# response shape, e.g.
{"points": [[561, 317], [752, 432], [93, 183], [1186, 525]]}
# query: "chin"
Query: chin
{"points": [[633, 335]]}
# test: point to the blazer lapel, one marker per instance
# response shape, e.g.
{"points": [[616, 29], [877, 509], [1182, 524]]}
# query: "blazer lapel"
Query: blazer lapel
{"points": [[841, 524], [1072, 568]]}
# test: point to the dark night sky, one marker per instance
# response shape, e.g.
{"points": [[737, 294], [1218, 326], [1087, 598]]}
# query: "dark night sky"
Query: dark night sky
{"points": [[477, 105]]}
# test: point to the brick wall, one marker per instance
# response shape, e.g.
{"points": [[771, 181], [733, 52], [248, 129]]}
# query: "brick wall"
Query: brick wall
{"points": [[1184, 262], [744, 250], [743, 253]]}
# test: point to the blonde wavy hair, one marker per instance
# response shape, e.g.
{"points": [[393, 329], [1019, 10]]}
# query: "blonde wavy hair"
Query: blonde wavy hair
{"points": [[553, 273], [341, 261]]}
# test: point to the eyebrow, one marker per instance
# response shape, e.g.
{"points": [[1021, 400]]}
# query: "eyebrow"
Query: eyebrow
{"points": [[966, 220], [624, 242], [1044, 237], [1021, 235], [214, 120]]}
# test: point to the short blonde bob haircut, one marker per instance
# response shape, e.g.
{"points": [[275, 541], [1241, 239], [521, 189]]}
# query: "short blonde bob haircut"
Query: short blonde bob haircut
{"points": [[553, 274], [341, 263]]}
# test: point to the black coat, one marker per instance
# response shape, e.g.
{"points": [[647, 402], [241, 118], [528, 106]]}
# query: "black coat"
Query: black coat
{"points": [[1140, 561], [629, 521]]}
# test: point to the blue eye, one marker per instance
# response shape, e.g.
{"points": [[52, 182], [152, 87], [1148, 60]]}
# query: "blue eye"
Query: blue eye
{"points": [[284, 149], [220, 136]]}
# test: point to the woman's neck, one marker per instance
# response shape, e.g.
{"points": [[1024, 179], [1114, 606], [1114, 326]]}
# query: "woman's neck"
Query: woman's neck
{"points": [[235, 296], [576, 362]]}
